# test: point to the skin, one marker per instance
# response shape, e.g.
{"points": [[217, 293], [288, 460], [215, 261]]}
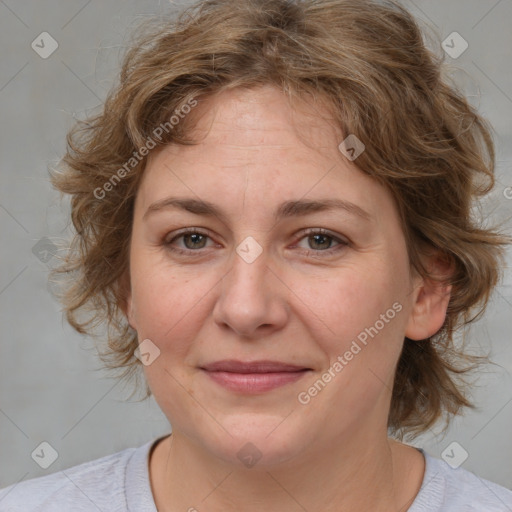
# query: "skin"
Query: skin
{"points": [[289, 305]]}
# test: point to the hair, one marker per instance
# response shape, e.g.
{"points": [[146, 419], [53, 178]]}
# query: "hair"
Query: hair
{"points": [[367, 59]]}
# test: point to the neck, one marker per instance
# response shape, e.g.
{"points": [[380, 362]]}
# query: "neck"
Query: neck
{"points": [[362, 472]]}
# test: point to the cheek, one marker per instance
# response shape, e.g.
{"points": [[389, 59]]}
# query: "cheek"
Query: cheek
{"points": [[363, 313], [168, 301], [352, 300]]}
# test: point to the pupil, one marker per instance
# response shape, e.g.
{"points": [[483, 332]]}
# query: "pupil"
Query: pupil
{"points": [[194, 236], [320, 236]]}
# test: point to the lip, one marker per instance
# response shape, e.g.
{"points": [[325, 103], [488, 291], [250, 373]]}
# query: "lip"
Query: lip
{"points": [[262, 366], [253, 377]]}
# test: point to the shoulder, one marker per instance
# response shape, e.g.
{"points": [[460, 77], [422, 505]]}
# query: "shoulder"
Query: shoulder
{"points": [[95, 485], [447, 489]]}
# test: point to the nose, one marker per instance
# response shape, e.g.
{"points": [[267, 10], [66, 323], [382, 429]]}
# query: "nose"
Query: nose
{"points": [[253, 299]]}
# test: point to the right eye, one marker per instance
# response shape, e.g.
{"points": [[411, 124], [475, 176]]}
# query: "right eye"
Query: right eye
{"points": [[192, 237]]}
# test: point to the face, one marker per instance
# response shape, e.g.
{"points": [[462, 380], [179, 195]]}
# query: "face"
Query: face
{"points": [[328, 290]]}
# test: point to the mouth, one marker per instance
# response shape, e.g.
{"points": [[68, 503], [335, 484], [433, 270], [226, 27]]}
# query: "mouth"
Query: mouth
{"points": [[266, 366], [255, 376]]}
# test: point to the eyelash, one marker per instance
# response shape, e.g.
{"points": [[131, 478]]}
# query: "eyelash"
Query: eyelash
{"points": [[309, 232]]}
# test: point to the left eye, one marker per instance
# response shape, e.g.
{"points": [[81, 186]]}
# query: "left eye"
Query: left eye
{"points": [[323, 240]]}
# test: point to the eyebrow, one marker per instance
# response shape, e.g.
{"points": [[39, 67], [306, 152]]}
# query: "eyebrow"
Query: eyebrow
{"points": [[285, 210]]}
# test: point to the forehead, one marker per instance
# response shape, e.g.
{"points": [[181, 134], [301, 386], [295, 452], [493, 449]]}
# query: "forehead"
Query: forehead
{"points": [[250, 118], [256, 148], [246, 124]]}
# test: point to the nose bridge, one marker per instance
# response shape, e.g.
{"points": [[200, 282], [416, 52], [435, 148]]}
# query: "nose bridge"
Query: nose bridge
{"points": [[248, 276], [249, 297]]}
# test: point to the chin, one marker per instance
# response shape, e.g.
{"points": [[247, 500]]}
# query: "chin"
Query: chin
{"points": [[256, 440]]}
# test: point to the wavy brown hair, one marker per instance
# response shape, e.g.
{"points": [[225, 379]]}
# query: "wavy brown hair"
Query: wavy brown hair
{"points": [[368, 60]]}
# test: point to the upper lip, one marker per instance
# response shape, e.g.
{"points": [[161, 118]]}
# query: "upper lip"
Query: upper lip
{"points": [[266, 366]]}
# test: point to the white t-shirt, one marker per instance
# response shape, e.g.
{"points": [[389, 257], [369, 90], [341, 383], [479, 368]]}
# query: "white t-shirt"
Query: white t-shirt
{"points": [[120, 483]]}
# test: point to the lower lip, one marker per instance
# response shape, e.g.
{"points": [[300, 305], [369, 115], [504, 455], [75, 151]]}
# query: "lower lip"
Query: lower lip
{"points": [[254, 382]]}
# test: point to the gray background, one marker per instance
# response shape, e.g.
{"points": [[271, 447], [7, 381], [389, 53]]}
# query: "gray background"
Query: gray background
{"points": [[52, 387]]}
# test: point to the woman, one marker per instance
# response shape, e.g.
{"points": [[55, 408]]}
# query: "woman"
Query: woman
{"points": [[273, 217]]}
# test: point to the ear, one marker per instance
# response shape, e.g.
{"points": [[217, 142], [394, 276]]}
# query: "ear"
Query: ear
{"points": [[431, 298], [126, 303]]}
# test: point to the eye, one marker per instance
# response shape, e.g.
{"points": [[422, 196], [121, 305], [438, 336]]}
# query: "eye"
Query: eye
{"points": [[321, 242], [192, 238]]}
